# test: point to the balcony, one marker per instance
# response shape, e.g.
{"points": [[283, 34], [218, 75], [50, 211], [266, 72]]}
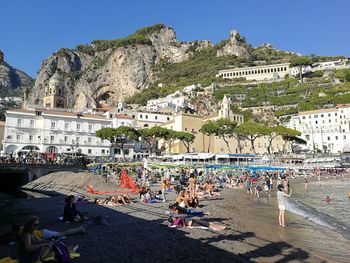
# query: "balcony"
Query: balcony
{"points": [[22, 141]]}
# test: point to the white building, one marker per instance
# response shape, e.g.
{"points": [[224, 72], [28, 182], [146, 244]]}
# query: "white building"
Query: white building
{"points": [[326, 130], [173, 101], [146, 119], [338, 64], [122, 120], [264, 72], [54, 131]]}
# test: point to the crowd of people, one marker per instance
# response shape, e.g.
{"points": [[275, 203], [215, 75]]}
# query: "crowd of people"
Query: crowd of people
{"points": [[44, 158], [188, 187]]}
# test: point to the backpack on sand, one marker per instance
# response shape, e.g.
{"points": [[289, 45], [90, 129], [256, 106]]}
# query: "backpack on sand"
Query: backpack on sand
{"points": [[62, 254]]}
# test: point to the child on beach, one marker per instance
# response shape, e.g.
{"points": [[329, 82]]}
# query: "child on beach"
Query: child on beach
{"points": [[281, 203]]}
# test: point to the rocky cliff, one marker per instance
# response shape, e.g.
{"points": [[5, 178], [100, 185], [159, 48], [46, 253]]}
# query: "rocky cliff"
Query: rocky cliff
{"points": [[107, 71], [12, 79], [234, 46]]}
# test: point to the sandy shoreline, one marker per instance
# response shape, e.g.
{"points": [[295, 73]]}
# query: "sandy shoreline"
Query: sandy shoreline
{"points": [[139, 232]]}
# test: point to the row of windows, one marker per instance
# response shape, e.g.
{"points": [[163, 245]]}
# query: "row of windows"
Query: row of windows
{"points": [[253, 72], [20, 123], [322, 115], [155, 117], [53, 125], [307, 137]]}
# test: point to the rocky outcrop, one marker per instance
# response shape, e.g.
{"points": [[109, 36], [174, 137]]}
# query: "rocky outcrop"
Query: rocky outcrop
{"points": [[234, 46], [109, 71], [13, 79]]}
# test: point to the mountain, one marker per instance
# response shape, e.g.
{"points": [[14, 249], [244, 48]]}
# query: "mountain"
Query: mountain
{"points": [[108, 71], [12, 80]]}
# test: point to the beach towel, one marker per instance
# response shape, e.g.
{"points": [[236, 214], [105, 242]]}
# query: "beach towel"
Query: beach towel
{"points": [[8, 260]]}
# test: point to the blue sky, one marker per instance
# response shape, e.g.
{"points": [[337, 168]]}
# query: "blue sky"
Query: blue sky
{"points": [[31, 30]]}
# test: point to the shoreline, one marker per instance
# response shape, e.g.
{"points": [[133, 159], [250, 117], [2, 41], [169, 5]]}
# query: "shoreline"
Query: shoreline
{"points": [[139, 232]]}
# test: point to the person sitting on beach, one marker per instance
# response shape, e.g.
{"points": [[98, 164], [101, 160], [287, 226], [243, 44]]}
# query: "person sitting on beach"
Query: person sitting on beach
{"points": [[194, 223], [328, 199], [193, 202], [182, 199], [32, 248], [150, 197], [281, 203], [209, 187], [44, 233], [142, 192], [71, 214]]}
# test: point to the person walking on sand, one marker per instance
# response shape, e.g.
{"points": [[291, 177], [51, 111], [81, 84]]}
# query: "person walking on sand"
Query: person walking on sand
{"points": [[281, 195]]}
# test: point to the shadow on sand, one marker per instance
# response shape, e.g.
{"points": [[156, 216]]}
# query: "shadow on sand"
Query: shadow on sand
{"points": [[137, 235]]}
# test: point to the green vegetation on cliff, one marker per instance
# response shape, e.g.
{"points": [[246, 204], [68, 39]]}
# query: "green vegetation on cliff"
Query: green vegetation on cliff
{"points": [[140, 37]]}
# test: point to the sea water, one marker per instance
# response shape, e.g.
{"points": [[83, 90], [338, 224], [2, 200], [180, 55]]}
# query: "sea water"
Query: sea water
{"points": [[322, 227]]}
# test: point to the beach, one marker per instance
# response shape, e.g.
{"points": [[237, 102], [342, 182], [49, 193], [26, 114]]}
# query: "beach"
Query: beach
{"points": [[139, 232]]}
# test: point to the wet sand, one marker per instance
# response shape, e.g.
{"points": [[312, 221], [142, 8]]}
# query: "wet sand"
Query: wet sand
{"points": [[139, 232]]}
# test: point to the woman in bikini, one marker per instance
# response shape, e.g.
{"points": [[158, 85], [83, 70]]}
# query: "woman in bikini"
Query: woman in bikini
{"points": [[192, 185]]}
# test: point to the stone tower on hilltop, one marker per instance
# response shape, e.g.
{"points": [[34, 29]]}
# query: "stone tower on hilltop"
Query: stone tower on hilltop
{"points": [[1, 57], [54, 97]]}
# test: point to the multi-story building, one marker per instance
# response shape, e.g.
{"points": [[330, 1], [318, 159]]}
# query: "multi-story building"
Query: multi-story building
{"points": [[146, 119], [173, 101], [202, 143], [54, 132], [325, 130]]}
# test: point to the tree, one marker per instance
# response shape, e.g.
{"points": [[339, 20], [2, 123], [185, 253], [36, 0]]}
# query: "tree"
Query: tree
{"points": [[295, 141], [119, 136], [152, 135], [300, 63], [226, 129], [186, 138], [209, 128], [169, 137], [106, 134], [251, 131], [276, 131]]}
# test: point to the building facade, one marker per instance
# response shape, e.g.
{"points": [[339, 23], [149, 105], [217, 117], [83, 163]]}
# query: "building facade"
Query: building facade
{"points": [[49, 131], [173, 101], [264, 72], [325, 130], [146, 119]]}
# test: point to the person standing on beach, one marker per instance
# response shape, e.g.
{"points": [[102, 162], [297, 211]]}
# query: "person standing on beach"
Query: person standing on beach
{"points": [[164, 187], [281, 195], [306, 181], [248, 184], [192, 185]]}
